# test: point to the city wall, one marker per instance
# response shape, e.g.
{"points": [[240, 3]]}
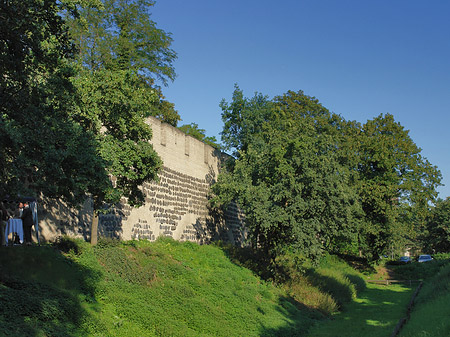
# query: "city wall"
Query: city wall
{"points": [[176, 206]]}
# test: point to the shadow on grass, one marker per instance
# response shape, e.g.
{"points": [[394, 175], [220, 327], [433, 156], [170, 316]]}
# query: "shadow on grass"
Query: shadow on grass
{"points": [[298, 319], [341, 288], [41, 292], [375, 313]]}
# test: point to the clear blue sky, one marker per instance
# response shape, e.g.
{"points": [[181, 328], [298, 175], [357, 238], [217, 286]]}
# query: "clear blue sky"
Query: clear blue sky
{"points": [[359, 58]]}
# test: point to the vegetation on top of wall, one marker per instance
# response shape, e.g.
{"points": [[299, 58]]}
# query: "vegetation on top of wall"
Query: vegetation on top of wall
{"points": [[194, 131]]}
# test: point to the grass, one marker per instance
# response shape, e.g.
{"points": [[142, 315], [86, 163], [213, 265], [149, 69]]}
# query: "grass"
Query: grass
{"points": [[374, 313], [377, 309], [328, 287], [138, 288], [430, 316], [169, 288]]}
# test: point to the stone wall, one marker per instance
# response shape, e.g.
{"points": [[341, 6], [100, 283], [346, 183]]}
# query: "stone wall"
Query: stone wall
{"points": [[176, 206]]}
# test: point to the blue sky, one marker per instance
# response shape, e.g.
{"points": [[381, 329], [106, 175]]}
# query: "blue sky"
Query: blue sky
{"points": [[359, 58]]}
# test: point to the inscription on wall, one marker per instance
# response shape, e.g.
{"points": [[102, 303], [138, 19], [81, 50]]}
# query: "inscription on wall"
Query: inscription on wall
{"points": [[175, 197], [176, 206]]}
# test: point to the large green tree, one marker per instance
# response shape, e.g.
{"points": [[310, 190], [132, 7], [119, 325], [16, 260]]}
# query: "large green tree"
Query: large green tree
{"points": [[42, 149], [396, 184], [310, 181], [121, 54], [287, 177], [438, 228], [118, 35]]}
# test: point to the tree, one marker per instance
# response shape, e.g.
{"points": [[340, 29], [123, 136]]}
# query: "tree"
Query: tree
{"points": [[243, 118], [438, 226], [121, 53], [310, 181], [118, 35], [42, 149], [194, 131], [395, 183], [113, 108], [287, 177]]}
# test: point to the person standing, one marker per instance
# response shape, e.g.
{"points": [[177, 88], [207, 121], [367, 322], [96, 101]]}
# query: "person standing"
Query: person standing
{"points": [[4, 215], [27, 222], [18, 211]]}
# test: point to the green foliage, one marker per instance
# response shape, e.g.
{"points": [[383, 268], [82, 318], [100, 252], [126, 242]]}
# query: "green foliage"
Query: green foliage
{"points": [[311, 182], [114, 106], [120, 55], [42, 149], [119, 35], [396, 183], [194, 131], [287, 178], [67, 245], [243, 118], [438, 228], [419, 271]]}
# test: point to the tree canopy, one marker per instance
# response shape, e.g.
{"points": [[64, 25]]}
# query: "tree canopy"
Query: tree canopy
{"points": [[194, 131], [121, 55], [77, 82], [42, 149], [310, 181], [438, 228], [287, 177]]}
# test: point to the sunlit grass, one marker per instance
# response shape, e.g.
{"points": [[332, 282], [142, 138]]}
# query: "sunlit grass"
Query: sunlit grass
{"points": [[431, 314], [374, 312], [138, 288]]}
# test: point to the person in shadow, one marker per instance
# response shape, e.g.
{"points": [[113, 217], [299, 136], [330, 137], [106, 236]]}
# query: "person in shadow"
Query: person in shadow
{"points": [[4, 215], [27, 222]]}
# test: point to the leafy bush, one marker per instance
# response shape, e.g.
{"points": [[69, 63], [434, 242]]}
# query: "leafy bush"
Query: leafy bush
{"points": [[327, 286], [68, 245], [441, 256], [418, 271]]}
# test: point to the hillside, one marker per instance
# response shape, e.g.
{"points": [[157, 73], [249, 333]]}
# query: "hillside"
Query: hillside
{"points": [[171, 288], [429, 316], [138, 288]]}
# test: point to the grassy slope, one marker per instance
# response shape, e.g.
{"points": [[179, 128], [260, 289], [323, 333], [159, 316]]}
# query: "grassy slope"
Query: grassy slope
{"points": [[139, 288], [376, 310], [431, 313], [169, 288]]}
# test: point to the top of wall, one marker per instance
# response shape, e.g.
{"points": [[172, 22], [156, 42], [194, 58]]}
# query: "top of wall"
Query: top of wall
{"points": [[184, 153]]}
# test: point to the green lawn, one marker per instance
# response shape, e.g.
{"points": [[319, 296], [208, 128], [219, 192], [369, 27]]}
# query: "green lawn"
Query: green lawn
{"points": [[375, 312], [165, 288], [169, 288], [431, 312]]}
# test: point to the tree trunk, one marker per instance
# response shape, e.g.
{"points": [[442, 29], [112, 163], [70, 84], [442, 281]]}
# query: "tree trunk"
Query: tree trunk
{"points": [[94, 228]]}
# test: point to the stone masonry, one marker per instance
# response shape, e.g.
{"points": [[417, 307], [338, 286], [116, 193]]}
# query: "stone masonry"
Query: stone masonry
{"points": [[176, 206]]}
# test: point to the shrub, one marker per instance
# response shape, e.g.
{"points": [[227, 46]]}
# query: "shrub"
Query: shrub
{"points": [[68, 245]]}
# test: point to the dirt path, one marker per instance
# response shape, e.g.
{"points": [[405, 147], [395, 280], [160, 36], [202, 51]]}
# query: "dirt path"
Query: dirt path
{"points": [[384, 273]]}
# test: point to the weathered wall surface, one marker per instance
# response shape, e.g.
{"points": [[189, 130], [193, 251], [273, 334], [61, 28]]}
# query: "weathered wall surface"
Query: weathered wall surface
{"points": [[176, 206]]}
